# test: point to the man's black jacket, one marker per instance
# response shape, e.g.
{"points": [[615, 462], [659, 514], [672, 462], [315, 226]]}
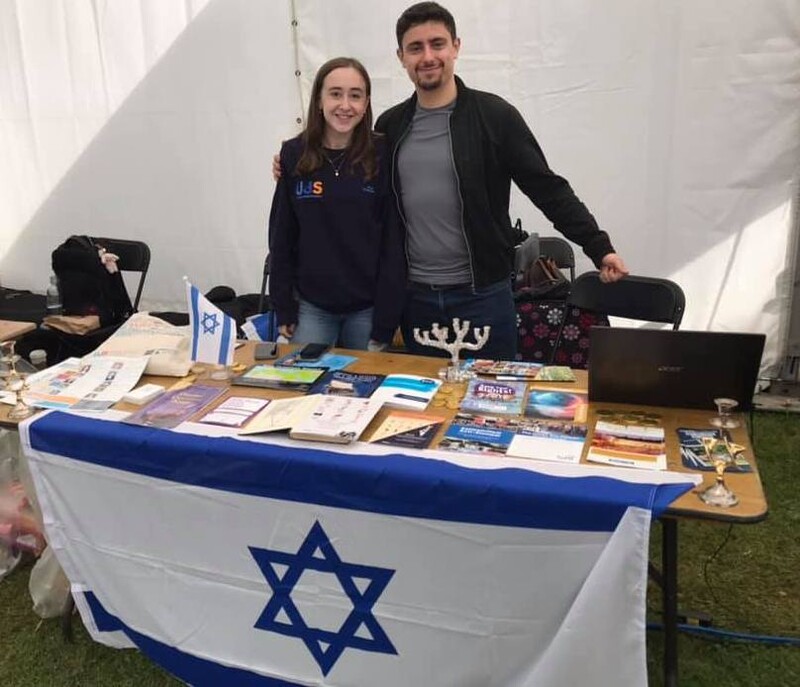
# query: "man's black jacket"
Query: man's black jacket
{"points": [[492, 146]]}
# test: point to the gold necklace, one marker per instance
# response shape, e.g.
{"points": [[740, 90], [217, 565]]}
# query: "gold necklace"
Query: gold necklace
{"points": [[337, 163]]}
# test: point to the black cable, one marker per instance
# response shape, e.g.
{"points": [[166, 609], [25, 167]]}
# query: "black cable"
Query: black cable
{"points": [[708, 562]]}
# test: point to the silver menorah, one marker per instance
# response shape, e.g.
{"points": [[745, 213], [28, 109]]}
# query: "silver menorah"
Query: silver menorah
{"points": [[453, 373]]}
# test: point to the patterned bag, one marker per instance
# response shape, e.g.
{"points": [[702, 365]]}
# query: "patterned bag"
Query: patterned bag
{"points": [[538, 324]]}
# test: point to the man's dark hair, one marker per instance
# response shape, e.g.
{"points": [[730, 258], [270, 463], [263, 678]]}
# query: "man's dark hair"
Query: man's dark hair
{"points": [[421, 13]]}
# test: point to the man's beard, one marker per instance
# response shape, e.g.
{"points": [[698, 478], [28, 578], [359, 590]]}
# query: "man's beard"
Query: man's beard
{"points": [[430, 85]]}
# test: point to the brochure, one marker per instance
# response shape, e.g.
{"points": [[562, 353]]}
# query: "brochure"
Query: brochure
{"points": [[694, 456], [555, 373], [493, 396], [407, 391], [557, 403], [280, 414], [519, 369], [341, 383], [470, 433], [91, 383], [561, 442], [234, 411], [629, 440], [407, 429], [506, 368], [174, 407], [336, 419], [284, 378]]}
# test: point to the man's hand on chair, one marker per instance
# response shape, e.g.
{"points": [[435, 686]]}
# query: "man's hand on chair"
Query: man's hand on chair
{"points": [[612, 268]]}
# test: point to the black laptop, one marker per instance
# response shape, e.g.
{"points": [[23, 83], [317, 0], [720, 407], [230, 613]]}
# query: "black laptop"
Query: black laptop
{"points": [[680, 369]]}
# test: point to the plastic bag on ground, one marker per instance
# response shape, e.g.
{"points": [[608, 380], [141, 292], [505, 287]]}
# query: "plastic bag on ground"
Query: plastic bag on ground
{"points": [[49, 586]]}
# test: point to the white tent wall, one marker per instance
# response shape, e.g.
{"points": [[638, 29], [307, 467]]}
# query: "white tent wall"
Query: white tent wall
{"points": [[676, 121], [145, 119]]}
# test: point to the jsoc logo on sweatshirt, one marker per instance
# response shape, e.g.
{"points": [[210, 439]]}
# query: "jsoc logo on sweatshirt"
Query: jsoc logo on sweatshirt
{"points": [[308, 189]]}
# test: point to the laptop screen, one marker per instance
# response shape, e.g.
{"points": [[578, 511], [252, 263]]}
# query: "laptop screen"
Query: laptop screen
{"points": [[682, 369]]}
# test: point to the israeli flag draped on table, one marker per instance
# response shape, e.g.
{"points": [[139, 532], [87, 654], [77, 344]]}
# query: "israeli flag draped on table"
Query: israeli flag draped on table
{"points": [[213, 332], [234, 562]]}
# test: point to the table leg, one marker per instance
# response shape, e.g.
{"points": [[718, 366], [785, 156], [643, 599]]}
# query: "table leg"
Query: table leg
{"points": [[669, 570]]}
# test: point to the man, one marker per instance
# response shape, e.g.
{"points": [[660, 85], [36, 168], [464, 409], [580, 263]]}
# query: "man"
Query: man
{"points": [[455, 153]]}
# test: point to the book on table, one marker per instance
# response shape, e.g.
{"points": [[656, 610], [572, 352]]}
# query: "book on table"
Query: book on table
{"points": [[174, 407], [282, 378], [486, 434], [494, 397], [407, 429], [551, 440], [505, 368], [694, 456], [280, 415], [628, 439], [407, 391], [521, 369], [555, 373], [234, 411], [342, 383], [557, 403], [335, 419]]}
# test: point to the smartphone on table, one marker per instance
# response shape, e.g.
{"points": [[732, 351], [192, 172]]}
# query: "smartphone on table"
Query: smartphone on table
{"points": [[313, 351]]}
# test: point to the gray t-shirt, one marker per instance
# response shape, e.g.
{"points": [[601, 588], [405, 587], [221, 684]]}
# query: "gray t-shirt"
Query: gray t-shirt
{"points": [[437, 249]]}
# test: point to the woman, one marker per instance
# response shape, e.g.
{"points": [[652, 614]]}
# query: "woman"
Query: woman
{"points": [[337, 262]]}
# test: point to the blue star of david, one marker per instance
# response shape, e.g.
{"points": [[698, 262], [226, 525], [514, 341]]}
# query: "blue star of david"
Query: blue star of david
{"points": [[326, 647], [209, 322]]}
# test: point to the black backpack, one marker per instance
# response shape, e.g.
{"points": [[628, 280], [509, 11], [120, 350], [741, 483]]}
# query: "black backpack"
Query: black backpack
{"points": [[87, 287]]}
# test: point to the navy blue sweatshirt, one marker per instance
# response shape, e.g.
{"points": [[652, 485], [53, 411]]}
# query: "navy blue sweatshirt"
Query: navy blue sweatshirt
{"points": [[336, 241]]}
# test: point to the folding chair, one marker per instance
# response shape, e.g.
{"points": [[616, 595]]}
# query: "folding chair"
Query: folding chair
{"points": [[637, 298], [134, 256], [560, 250], [647, 299]]}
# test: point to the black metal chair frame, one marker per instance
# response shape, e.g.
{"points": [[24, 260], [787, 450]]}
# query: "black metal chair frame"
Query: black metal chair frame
{"points": [[559, 250], [134, 256], [647, 299], [264, 280]]}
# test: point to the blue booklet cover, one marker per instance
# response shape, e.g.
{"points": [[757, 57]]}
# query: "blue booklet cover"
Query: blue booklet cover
{"points": [[341, 383], [493, 396], [694, 456], [557, 404], [479, 434]]}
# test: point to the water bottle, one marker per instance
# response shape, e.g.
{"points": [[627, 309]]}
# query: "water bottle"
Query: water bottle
{"points": [[53, 297], [38, 358]]}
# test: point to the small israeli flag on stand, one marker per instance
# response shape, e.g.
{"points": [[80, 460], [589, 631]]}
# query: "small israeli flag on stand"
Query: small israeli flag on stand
{"points": [[213, 332]]}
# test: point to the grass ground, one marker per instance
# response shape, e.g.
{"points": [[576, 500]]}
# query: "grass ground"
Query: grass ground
{"points": [[751, 584]]}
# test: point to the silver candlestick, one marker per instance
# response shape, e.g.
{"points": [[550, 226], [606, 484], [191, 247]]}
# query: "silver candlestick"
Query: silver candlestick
{"points": [[454, 372], [15, 382]]}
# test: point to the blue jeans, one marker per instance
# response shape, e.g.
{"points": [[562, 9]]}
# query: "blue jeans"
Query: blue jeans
{"points": [[349, 330], [492, 305]]}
